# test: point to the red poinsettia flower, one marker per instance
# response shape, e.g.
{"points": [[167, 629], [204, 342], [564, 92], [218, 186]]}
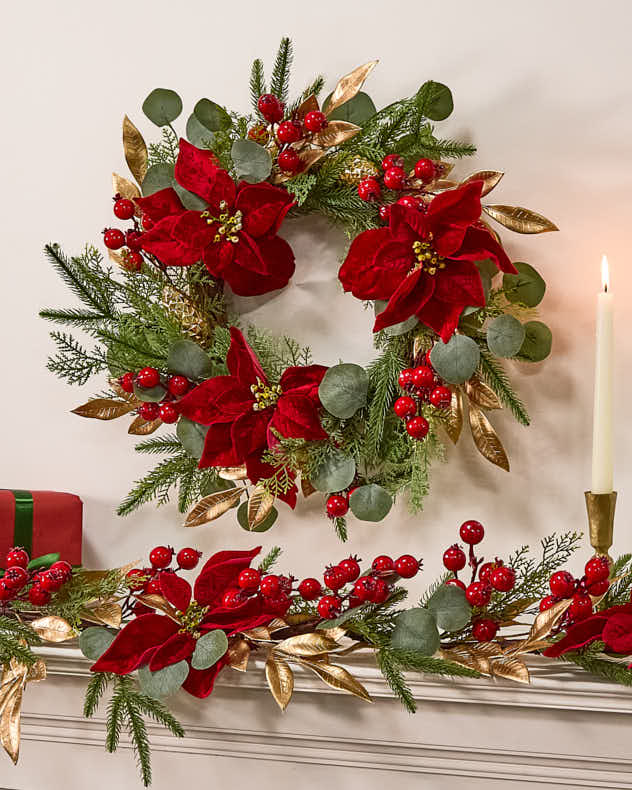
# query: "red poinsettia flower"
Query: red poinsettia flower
{"points": [[235, 234], [242, 409], [159, 641], [612, 626], [423, 262]]}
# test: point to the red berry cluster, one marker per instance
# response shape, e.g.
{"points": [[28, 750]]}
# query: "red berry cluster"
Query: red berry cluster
{"points": [[129, 241], [176, 386], [36, 586], [396, 179], [145, 580], [564, 585], [286, 132], [491, 576], [422, 385]]}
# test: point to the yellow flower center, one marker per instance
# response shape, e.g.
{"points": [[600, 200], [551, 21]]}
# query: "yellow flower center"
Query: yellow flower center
{"points": [[229, 224], [191, 618], [427, 257], [265, 395]]}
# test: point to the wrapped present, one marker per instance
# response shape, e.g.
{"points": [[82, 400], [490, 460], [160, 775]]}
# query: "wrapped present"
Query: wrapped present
{"points": [[42, 522]]}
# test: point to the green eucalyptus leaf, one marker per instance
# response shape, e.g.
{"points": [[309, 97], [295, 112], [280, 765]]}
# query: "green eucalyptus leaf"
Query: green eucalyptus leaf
{"points": [[209, 648], [434, 100], [191, 436], [451, 610], [94, 641], [162, 106], [268, 521], [335, 473], [416, 629], [370, 502], [344, 389], [212, 116], [456, 360], [158, 177], [150, 394], [505, 336], [43, 561], [357, 110], [216, 484], [190, 360], [252, 161], [164, 682], [395, 329], [526, 287], [189, 200], [197, 133], [537, 342]]}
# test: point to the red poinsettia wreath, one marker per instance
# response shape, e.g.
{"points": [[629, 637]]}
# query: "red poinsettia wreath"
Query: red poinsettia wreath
{"points": [[423, 261], [235, 235]]}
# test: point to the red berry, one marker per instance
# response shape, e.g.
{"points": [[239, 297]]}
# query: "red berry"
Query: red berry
{"points": [[17, 556], [350, 568], [405, 378], [126, 382], [132, 260], [484, 630], [289, 161], [148, 377], [149, 411], [417, 427], [441, 397], [309, 589], [454, 558], [503, 579], [147, 222], [52, 581], [337, 506], [232, 598], [394, 177], [188, 558], [285, 583], [329, 607], [270, 107], [63, 567], [369, 190], [381, 591], [383, 564], [548, 602], [363, 588], [385, 213], [315, 120], [562, 584], [334, 578], [599, 588], [134, 240], [580, 608], [392, 160], [152, 587], [113, 238], [123, 208], [354, 601], [160, 556], [289, 132], [456, 583], [597, 569], [406, 566], [249, 579], [278, 604], [15, 577], [423, 377], [425, 170], [486, 570], [408, 201], [168, 412], [471, 532], [405, 406], [6, 592], [478, 594], [270, 586], [133, 581], [178, 385], [38, 596]]}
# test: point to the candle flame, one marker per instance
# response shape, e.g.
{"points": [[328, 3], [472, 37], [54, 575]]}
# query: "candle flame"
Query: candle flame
{"points": [[605, 273]]}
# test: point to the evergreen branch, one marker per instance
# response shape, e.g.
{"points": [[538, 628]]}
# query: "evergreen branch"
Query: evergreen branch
{"points": [[340, 528], [257, 84], [157, 711], [394, 676], [412, 660], [160, 444], [73, 362], [157, 483], [94, 693], [619, 591], [268, 561], [75, 317], [280, 80], [84, 276], [115, 715], [612, 671], [383, 373], [136, 728], [436, 584], [494, 375], [16, 640]]}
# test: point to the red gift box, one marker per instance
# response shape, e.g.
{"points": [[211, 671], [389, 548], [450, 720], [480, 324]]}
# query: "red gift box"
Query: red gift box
{"points": [[43, 522]]}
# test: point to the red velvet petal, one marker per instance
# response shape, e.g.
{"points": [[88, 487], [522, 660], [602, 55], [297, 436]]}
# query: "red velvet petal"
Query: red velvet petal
{"points": [[360, 255], [176, 648], [242, 361], [218, 447], [296, 417], [218, 258], [411, 295], [193, 231], [125, 654], [460, 206], [460, 283], [449, 240], [479, 244], [617, 633], [175, 589], [161, 204], [221, 571], [257, 470], [200, 682], [407, 225], [443, 317], [159, 241], [249, 433], [303, 378], [249, 614], [196, 170], [278, 261], [218, 399], [578, 635], [264, 206]]}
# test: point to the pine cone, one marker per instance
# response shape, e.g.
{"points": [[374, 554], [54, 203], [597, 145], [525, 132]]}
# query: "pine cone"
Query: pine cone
{"points": [[357, 169], [185, 313]]}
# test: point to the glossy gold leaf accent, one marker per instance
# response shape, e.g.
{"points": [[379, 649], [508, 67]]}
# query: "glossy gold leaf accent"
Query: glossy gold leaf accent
{"points": [[300, 618], [339, 678], [37, 671], [233, 472], [141, 427], [156, 601], [511, 669], [13, 681], [238, 654], [490, 179], [126, 189], [104, 409], [258, 634], [135, 150], [53, 629], [127, 396], [108, 613], [420, 345], [335, 133], [453, 422], [546, 621], [308, 156], [310, 104], [99, 575], [280, 680], [349, 85], [213, 506], [335, 633], [486, 439], [307, 489], [482, 395], [311, 644], [276, 625], [519, 219], [518, 607], [260, 504]]}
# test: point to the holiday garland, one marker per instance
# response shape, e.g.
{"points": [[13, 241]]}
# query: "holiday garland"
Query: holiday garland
{"points": [[255, 418]]}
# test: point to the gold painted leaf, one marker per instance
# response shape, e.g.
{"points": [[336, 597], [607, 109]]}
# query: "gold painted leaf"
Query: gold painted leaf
{"points": [[519, 219], [335, 133], [10, 710], [546, 621], [490, 179], [442, 184], [517, 607], [280, 680], [276, 625], [311, 644], [212, 506], [238, 654], [453, 422], [349, 85], [141, 427], [108, 613], [307, 489], [486, 439], [260, 504], [104, 409], [155, 601], [233, 472], [117, 258], [420, 345], [512, 669], [126, 189], [258, 634], [128, 396], [334, 633], [135, 150], [37, 671], [310, 104], [480, 394], [300, 618], [339, 678], [53, 629]]}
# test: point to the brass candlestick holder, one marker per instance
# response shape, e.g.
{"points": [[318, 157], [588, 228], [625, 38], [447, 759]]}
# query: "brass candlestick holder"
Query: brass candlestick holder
{"points": [[600, 509]]}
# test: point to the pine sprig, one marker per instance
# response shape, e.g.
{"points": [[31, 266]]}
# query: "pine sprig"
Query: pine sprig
{"points": [[394, 676], [494, 375], [269, 560], [157, 483], [383, 373], [612, 671], [257, 84], [16, 640], [95, 690], [619, 592], [280, 80]]}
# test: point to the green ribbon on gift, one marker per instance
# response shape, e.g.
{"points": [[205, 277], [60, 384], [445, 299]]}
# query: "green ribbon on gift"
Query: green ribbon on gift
{"points": [[23, 526]]}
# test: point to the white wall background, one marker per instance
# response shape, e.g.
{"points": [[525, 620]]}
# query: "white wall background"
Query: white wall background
{"points": [[543, 90]]}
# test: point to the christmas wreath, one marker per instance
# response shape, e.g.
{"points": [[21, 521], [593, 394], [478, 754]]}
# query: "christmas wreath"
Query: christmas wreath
{"points": [[255, 419]]}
